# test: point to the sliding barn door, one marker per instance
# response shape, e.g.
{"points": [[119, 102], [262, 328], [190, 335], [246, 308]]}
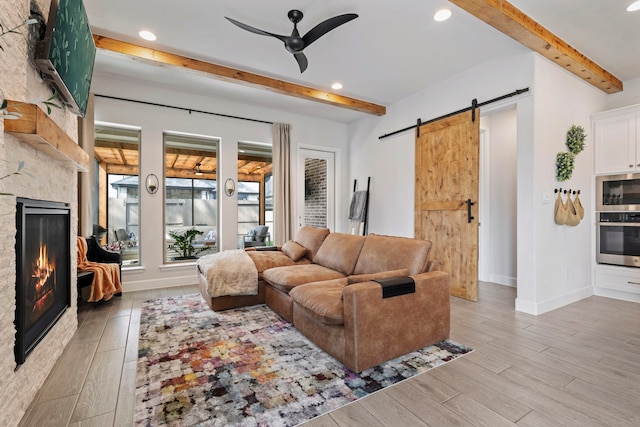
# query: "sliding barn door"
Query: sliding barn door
{"points": [[446, 197]]}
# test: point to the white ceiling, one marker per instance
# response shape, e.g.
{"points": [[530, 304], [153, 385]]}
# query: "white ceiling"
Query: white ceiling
{"points": [[393, 49]]}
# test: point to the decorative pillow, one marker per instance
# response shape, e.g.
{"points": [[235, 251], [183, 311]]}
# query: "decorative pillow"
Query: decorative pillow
{"points": [[311, 238], [294, 250], [373, 276], [251, 235]]}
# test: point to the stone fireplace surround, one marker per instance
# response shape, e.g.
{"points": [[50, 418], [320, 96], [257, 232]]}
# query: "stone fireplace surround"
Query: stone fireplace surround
{"points": [[52, 180], [48, 178]]}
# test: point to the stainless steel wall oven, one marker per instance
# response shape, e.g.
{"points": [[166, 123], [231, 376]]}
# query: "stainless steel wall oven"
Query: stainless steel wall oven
{"points": [[618, 216]]}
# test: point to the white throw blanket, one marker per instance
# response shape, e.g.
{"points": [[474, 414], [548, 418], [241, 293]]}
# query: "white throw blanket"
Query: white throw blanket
{"points": [[229, 272]]}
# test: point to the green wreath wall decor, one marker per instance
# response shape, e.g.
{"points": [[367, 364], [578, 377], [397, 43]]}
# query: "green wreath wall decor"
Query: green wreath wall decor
{"points": [[575, 139], [564, 166]]}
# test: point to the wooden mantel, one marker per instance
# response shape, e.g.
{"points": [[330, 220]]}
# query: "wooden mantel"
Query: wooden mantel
{"points": [[37, 129]]}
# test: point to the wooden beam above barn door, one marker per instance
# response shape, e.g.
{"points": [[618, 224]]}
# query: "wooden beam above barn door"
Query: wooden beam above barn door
{"points": [[505, 17], [233, 75]]}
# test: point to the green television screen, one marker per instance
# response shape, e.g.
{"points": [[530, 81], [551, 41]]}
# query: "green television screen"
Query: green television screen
{"points": [[67, 53]]}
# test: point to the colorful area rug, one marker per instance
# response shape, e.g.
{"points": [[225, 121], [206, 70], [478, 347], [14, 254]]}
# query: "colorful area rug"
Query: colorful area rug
{"points": [[248, 367]]}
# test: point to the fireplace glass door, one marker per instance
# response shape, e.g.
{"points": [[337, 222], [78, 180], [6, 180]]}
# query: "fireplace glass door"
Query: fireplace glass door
{"points": [[42, 270]]}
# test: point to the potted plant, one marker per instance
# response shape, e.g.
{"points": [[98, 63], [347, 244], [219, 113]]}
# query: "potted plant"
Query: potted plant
{"points": [[183, 243]]}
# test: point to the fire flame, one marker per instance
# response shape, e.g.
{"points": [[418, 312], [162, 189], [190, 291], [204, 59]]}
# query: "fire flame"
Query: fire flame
{"points": [[43, 268]]}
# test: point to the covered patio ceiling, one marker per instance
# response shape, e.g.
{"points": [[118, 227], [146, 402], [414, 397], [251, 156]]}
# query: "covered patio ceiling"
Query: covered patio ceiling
{"points": [[118, 153]]}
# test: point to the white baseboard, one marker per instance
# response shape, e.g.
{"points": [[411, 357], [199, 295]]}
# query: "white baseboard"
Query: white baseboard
{"points": [[532, 307], [145, 285], [503, 280], [526, 306]]}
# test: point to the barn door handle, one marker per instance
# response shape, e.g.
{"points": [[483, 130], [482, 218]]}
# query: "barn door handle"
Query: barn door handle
{"points": [[469, 216]]}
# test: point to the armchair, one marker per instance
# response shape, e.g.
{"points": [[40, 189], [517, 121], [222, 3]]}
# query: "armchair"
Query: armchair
{"points": [[127, 245], [96, 254], [257, 236]]}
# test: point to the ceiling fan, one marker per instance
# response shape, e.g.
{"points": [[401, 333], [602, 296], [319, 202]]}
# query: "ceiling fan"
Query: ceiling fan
{"points": [[296, 44]]}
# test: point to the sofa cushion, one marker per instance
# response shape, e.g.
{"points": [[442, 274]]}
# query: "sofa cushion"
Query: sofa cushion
{"points": [[294, 250], [265, 260], [311, 238], [340, 251], [287, 278], [357, 278], [381, 253], [322, 300]]}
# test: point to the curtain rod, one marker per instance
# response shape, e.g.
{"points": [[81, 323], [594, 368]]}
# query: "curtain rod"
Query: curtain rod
{"points": [[473, 106], [190, 110]]}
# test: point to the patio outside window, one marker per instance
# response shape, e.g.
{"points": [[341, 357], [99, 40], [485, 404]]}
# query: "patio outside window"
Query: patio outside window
{"points": [[255, 190], [190, 194], [116, 211]]}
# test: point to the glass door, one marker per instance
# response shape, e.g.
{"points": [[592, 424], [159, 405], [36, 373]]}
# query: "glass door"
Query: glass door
{"points": [[316, 188], [255, 194]]}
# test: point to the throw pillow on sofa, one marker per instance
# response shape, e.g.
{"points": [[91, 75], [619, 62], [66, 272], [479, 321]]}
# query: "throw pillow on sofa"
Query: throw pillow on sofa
{"points": [[311, 238], [294, 250]]}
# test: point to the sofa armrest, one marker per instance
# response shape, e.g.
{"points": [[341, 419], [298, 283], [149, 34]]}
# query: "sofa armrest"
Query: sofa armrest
{"points": [[378, 329]]}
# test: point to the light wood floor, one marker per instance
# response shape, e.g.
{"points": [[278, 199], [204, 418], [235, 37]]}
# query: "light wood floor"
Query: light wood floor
{"points": [[576, 366]]}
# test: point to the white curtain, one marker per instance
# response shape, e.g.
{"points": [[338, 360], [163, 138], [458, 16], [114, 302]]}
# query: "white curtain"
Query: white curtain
{"points": [[283, 200]]}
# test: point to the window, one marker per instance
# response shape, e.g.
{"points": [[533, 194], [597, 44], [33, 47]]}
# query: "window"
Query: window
{"points": [[116, 211], [255, 189], [190, 195]]}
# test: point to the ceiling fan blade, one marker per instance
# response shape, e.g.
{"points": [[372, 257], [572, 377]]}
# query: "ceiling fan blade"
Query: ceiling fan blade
{"points": [[255, 30], [302, 61], [325, 26]]}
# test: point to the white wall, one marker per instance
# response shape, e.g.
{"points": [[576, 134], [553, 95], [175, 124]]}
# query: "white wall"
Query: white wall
{"points": [[547, 253], [560, 255], [630, 95], [501, 192], [156, 120], [390, 161]]}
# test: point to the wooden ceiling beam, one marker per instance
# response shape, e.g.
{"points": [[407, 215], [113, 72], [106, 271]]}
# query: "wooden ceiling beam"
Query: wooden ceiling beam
{"points": [[121, 169], [506, 18], [116, 145], [123, 157], [190, 152], [250, 158], [237, 76]]}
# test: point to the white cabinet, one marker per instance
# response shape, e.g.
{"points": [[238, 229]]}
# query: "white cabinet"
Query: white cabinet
{"points": [[617, 141], [620, 279]]}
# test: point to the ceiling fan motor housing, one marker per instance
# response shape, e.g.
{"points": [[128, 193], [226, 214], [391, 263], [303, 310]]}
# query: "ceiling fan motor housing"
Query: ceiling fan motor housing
{"points": [[294, 44], [295, 16]]}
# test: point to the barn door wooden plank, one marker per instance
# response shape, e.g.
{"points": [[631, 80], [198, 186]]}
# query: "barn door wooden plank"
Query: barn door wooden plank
{"points": [[446, 197]]}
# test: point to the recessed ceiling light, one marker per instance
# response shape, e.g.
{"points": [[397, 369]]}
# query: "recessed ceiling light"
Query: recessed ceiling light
{"points": [[442, 15], [147, 35], [634, 6], [336, 86]]}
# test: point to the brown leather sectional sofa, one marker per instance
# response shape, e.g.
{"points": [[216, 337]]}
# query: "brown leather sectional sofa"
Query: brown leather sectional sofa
{"points": [[331, 296]]}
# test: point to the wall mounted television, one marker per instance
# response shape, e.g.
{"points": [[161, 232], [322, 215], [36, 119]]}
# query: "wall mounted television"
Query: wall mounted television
{"points": [[67, 53]]}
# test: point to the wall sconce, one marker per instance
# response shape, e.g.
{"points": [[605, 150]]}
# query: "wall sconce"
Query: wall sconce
{"points": [[229, 187], [152, 183]]}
